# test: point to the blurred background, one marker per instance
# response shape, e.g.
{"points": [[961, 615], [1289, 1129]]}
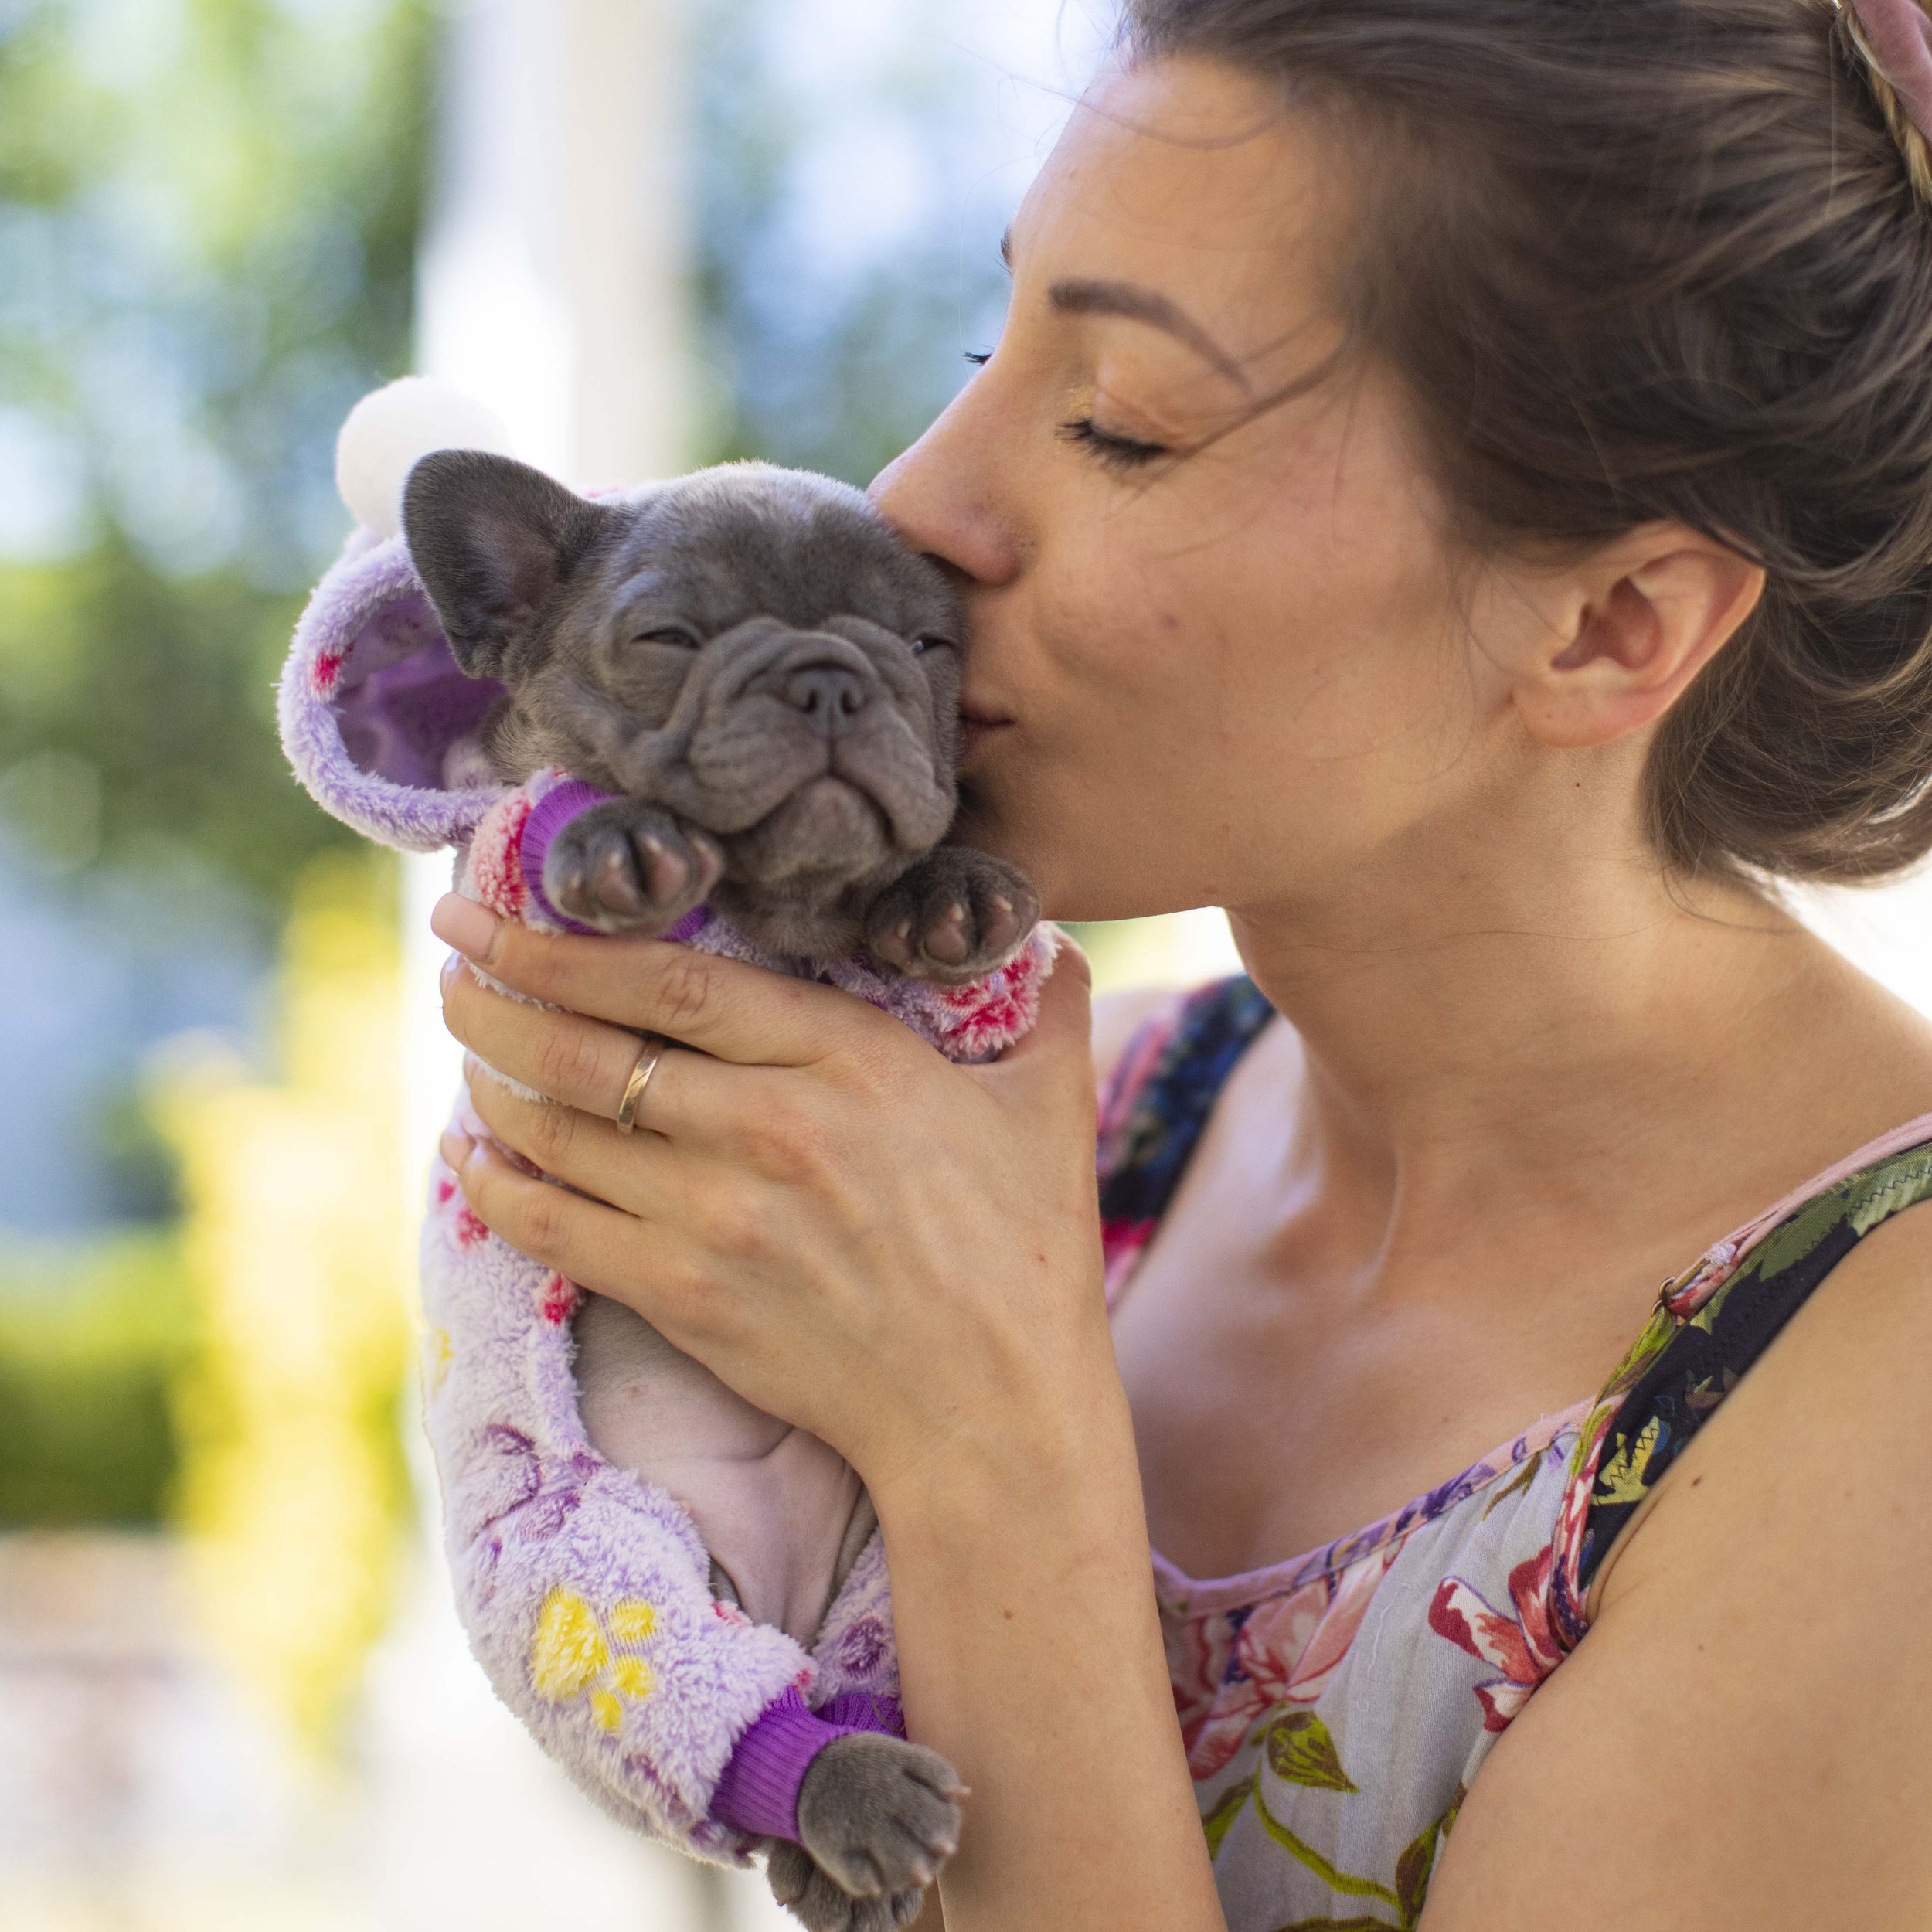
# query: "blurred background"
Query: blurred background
{"points": [[653, 233]]}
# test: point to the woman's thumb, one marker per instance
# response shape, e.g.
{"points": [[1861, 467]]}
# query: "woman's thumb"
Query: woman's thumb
{"points": [[1060, 1045]]}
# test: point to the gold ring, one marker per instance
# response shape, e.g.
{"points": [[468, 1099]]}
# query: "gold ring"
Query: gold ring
{"points": [[654, 1048]]}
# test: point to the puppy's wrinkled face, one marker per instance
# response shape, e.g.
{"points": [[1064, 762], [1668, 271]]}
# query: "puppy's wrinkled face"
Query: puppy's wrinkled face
{"points": [[748, 647]]}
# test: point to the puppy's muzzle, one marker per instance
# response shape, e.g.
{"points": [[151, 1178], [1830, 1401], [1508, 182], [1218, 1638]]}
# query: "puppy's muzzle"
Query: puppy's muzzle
{"points": [[830, 696], [768, 710]]}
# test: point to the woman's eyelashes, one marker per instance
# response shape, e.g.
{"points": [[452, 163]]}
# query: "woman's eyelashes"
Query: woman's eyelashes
{"points": [[1115, 452]]}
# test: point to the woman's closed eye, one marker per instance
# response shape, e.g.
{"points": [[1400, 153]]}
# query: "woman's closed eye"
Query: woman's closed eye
{"points": [[1115, 452], [1112, 451]]}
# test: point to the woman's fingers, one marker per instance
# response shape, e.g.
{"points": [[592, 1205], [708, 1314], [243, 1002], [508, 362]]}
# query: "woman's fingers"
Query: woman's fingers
{"points": [[653, 1268], [721, 1006], [635, 1172], [588, 1242], [583, 1063]]}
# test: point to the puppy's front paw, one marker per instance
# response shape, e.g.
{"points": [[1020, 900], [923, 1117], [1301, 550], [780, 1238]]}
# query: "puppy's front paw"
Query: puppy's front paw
{"points": [[822, 1906], [880, 1816], [954, 917], [623, 867]]}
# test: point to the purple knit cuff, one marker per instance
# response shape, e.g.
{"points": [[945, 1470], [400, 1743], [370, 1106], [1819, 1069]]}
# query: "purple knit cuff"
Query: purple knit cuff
{"points": [[548, 817], [866, 1711], [759, 1790]]}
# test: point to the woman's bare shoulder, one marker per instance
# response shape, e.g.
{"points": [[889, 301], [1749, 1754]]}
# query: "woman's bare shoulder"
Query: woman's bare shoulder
{"points": [[1756, 1650]]}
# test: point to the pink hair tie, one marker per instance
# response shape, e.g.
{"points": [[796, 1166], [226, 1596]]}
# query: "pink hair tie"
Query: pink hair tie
{"points": [[1895, 36]]}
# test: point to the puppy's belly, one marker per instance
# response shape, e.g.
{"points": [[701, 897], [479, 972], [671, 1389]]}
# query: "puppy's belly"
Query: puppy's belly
{"points": [[773, 1505]]}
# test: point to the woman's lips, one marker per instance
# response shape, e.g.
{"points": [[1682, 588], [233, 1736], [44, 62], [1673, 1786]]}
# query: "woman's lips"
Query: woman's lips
{"points": [[974, 729]]}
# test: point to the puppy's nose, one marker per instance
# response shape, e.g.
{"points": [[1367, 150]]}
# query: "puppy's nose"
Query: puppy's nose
{"points": [[826, 693]]}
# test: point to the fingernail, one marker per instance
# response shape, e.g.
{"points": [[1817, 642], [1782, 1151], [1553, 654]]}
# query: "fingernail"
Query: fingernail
{"points": [[451, 967], [456, 1148], [463, 924]]}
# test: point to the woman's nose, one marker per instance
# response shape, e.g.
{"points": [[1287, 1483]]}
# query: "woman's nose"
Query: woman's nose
{"points": [[945, 495]]}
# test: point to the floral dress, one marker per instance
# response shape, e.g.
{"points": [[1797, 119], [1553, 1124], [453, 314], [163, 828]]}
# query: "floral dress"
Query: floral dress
{"points": [[1336, 1707]]}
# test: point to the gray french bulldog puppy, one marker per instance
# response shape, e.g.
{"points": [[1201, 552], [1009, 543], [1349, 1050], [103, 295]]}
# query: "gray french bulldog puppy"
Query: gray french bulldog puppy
{"points": [[771, 682], [768, 675]]}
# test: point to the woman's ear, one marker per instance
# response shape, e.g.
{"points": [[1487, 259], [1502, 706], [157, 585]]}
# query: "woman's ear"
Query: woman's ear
{"points": [[1635, 624]]}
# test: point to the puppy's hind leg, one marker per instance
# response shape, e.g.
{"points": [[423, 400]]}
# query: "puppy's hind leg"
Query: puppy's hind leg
{"points": [[879, 1816]]}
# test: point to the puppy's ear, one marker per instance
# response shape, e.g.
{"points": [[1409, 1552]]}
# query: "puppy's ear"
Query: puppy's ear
{"points": [[493, 541]]}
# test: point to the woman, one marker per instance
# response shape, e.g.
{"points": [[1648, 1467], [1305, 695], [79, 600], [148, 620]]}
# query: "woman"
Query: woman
{"points": [[1455, 488]]}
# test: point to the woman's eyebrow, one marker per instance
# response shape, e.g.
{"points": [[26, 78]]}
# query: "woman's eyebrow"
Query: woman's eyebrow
{"points": [[1139, 304], [1146, 305]]}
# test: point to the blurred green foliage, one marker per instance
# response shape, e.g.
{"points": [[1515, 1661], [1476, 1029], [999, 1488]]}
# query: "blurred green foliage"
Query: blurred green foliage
{"points": [[209, 212], [208, 219], [91, 1339]]}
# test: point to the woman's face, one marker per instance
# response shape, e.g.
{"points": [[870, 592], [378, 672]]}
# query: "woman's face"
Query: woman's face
{"points": [[1227, 679]]}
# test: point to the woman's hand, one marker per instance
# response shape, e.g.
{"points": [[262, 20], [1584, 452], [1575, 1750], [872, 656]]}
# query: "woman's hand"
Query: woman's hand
{"points": [[855, 1234], [902, 1255]]}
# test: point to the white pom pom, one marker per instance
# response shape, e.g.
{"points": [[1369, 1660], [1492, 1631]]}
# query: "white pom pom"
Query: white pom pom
{"points": [[391, 429]]}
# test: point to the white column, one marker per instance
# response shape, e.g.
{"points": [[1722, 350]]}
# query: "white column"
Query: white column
{"points": [[552, 276]]}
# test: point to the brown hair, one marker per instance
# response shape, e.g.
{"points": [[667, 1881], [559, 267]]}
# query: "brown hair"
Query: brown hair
{"points": [[1639, 259]]}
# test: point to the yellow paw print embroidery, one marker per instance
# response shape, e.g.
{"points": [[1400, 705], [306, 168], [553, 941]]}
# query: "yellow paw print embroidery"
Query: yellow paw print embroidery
{"points": [[437, 1353], [573, 1651]]}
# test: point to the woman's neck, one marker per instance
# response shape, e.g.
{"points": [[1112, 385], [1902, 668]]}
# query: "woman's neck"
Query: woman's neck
{"points": [[1586, 1032]]}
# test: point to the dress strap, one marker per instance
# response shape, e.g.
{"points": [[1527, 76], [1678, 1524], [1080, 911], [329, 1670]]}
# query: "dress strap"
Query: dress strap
{"points": [[1162, 1089], [1709, 1325]]}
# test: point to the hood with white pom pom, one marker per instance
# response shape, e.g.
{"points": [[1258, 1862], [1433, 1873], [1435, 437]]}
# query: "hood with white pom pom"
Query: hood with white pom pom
{"points": [[376, 718]]}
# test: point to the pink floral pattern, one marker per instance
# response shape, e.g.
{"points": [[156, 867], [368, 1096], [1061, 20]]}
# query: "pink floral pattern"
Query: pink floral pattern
{"points": [[326, 669], [1282, 1650], [977, 1020], [1523, 1647]]}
